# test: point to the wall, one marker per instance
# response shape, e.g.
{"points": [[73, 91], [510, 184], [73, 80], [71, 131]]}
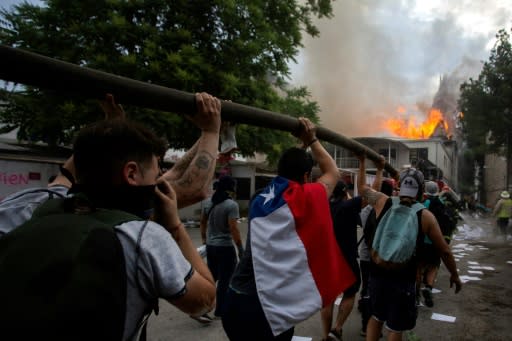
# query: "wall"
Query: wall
{"points": [[19, 175]]}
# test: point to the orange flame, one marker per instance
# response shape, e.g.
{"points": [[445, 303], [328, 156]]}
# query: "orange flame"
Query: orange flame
{"points": [[407, 127]]}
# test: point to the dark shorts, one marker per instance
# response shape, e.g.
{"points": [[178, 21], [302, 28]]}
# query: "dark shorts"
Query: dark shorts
{"points": [[427, 254], [394, 302], [354, 288], [502, 224]]}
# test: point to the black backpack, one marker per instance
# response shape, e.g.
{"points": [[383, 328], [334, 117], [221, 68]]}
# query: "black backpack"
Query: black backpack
{"points": [[370, 227], [446, 219], [63, 276]]}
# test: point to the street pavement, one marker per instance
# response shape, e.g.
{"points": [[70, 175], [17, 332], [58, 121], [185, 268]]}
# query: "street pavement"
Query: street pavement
{"points": [[481, 311]]}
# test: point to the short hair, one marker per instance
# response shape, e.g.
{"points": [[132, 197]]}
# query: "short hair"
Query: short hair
{"points": [[386, 187], [294, 163], [102, 149], [226, 183], [340, 190]]}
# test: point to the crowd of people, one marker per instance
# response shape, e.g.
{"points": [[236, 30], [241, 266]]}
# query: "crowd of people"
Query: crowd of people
{"points": [[106, 235]]}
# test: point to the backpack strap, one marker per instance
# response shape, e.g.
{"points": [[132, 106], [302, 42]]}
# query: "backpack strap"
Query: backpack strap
{"points": [[51, 194]]}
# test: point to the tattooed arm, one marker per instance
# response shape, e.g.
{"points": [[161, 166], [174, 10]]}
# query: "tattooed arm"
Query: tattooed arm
{"points": [[192, 174]]}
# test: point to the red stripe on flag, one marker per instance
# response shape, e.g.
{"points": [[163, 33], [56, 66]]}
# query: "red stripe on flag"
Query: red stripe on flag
{"points": [[310, 208]]}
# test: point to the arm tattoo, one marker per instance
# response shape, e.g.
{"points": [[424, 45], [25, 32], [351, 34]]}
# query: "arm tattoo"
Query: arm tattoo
{"points": [[195, 174], [183, 163], [202, 162], [185, 181]]}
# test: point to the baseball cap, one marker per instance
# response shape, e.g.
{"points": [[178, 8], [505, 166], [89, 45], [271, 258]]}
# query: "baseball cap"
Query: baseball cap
{"points": [[411, 181], [431, 188]]}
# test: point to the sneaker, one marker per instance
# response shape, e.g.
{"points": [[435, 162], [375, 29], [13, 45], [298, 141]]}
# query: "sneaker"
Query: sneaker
{"points": [[336, 334], [203, 319], [427, 295], [329, 338]]}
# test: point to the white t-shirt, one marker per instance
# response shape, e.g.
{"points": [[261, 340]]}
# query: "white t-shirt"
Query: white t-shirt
{"points": [[364, 251], [162, 268]]}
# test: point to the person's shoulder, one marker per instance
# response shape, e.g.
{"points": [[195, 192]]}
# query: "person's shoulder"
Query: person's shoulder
{"points": [[356, 201], [144, 229], [232, 202]]}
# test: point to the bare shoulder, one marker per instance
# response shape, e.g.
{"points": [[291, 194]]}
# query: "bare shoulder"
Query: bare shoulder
{"points": [[427, 220], [373, 196]]}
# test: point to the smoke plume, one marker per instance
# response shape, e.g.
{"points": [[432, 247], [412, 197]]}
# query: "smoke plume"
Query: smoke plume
{"points": [[377, 55]]}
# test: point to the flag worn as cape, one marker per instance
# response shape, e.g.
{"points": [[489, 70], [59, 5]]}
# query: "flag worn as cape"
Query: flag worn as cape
{"points": [[298, 266]]}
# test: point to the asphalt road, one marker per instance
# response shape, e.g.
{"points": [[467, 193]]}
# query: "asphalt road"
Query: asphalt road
{"points": [[481, 311]]}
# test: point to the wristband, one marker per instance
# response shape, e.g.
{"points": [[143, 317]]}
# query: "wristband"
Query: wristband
{"points": [[312, 141]]}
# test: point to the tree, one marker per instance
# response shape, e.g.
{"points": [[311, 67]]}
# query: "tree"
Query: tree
{"points": [[237, 50], [487, 104]]}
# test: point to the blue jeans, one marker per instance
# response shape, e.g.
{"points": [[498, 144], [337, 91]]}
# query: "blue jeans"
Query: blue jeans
{"points": [[221, 262]]}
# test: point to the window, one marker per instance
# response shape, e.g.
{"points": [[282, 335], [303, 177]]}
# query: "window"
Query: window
{"points": [[388, 152], [417, 154]]}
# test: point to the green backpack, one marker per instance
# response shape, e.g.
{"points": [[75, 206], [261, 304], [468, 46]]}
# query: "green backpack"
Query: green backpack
{"points": [[394, 243], [63, 276]]}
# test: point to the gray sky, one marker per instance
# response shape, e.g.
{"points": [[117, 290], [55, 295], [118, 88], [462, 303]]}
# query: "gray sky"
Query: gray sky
{"points": [[377, 55]]}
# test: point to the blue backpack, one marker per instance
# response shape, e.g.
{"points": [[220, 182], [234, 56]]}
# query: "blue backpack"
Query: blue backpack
{"points": [[394, 243]]}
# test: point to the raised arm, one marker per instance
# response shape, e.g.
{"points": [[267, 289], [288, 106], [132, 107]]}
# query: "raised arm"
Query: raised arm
{"points": [[191, 175], [372, 194], [377, 183], [362, 187], [330, 174]]}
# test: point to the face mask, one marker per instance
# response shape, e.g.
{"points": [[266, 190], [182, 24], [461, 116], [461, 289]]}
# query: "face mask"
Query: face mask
{"points": [[137, 200]]}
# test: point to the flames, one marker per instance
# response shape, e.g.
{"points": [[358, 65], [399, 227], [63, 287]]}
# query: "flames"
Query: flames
{"points": [[409, 127]]}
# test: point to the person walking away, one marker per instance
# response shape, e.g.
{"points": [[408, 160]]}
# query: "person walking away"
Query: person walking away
{"points": [[428, 258], [345, 215], [369, 223], [291, 266], [401, 226], [219, 230], [503, 211]]}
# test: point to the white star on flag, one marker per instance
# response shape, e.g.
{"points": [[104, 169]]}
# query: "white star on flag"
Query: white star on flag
{"points": [[268, 196]]}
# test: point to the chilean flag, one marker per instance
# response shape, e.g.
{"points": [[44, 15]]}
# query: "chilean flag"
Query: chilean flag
{"points": [[298, 266]]}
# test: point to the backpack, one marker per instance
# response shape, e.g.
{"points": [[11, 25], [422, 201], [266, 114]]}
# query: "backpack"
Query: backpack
{"points": [[63, 275], [395, 239], [446, 219]]}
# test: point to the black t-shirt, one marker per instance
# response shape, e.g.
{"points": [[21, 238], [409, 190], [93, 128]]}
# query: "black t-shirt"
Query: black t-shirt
{"points": [[345, 218]]}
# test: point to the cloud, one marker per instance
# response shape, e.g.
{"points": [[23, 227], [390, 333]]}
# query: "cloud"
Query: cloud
{"points": [[375, 55]]}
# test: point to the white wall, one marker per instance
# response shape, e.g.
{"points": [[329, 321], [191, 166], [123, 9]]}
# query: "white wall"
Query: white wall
{"points": [[19, 175]]}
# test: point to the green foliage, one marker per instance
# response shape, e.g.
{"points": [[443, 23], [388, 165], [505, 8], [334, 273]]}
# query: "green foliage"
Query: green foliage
{"points": [[487, 103], [237, 50]]}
